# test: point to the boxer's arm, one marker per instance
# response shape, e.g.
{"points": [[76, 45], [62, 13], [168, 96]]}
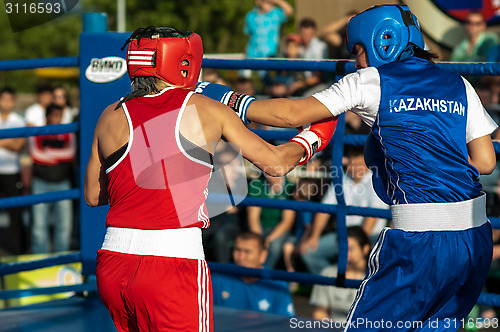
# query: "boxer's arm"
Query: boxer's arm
{"points": [[95, 190], [288, 113], [275, 112], [219, 121], [482, 154], [274, 160], [479, 127]]}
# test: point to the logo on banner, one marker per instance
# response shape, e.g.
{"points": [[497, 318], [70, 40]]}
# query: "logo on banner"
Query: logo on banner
{"points": [[459, 9], [106, 70]]}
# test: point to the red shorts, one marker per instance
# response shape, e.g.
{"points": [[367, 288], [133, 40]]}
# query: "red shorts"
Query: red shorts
{"points": [[154, 293]]}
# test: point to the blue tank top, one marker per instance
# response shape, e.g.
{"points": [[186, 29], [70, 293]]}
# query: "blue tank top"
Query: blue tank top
{"points": [[417, 149]]}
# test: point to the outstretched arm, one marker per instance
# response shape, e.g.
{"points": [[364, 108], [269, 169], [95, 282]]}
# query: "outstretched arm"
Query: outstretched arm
{"points": [[288, 113], [274, 160]]}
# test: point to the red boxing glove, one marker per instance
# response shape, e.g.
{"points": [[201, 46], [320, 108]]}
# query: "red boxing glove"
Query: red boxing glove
{"points": [[315, 137]]}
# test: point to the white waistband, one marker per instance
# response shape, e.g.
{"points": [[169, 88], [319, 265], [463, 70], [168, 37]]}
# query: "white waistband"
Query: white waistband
{"points": [[179, 242], [440, 216]]}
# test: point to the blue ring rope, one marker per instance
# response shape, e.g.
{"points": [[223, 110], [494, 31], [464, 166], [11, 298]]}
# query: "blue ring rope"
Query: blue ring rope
{"points": [[314, 207], [270, 64], [491, 68], [40, 131], [338, 182], [54, 196], [39, 63], [14, 267], [17, 293]]}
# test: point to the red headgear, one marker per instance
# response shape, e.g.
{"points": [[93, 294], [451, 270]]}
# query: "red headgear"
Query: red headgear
{"points": [[176, 58]]}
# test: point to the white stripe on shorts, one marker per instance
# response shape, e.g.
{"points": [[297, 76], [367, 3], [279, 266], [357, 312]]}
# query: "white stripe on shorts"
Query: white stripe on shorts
{"points": [[373, 267], [203, 297]]}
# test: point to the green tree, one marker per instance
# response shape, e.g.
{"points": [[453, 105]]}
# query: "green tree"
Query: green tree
{"points": [[219, 22]]}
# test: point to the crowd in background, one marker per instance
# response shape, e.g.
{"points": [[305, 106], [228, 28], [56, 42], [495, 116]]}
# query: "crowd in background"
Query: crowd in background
{"points": [[37, 165], [270, 238]]}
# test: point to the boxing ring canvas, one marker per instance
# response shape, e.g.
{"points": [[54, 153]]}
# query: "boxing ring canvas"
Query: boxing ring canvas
{"points": [[79, 314]]}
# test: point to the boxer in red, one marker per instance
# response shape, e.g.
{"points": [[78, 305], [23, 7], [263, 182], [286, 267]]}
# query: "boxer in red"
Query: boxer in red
{"points": [[151, 160]]}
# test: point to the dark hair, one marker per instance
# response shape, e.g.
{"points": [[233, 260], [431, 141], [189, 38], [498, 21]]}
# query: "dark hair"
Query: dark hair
{"points": [[8, 89], [357, 233], [66, 94], [310, 189], [44, 88], [145, 85], [52, 108], [476, 12], [150, 31], [424, 54], [307, 23], [253, 236]]}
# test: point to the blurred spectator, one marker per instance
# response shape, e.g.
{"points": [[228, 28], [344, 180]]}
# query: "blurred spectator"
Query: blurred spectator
{"points": [[211, 75], [476, 44], [61, 98], [13, 237], [319, 249], [491, 84], [244, 85], [263, 24], [355, 125], [35, 114], [273, 224], [334, 302], [266, 295], [312, 49], [278, 90], [276, 80], [224, 227], [334, 34], [52, 171], [307, 190]]}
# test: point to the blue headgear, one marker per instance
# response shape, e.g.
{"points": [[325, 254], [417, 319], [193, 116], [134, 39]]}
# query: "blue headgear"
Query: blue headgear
{"points": [[386, 32]]}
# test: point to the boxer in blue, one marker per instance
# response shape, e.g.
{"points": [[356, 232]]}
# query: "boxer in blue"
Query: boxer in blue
{"points": [[429, 142]]}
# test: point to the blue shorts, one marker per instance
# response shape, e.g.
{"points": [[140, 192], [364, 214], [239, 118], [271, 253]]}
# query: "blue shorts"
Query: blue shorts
{"points": [[422, 281]]}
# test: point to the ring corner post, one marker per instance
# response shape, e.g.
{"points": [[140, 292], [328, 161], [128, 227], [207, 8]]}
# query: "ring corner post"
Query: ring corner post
{"points": [[103, 81]]}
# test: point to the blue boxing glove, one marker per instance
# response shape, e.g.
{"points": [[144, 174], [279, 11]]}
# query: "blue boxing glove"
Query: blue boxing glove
{"points": [[238, 102]]}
